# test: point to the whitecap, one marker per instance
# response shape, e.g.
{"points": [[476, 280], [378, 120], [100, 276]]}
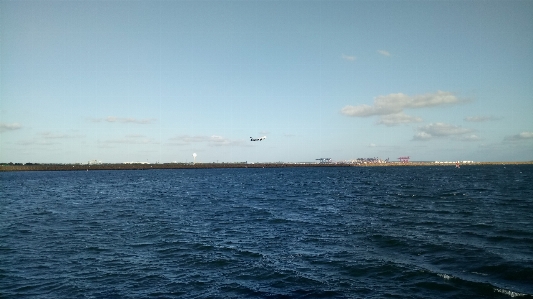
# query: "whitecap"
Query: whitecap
{"points": [[510, 293], [445, 276]]}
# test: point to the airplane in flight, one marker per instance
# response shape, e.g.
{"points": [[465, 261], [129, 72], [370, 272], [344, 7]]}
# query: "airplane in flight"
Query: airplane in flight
{"points": [[257, 139]]}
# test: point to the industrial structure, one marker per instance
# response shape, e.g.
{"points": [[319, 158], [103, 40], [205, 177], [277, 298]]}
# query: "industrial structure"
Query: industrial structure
{"points": [[324, 160], [374, 160], [404, 159]]}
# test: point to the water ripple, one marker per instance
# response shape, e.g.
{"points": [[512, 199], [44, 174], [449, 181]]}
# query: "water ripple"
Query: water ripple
{"points": [[418, 232]]}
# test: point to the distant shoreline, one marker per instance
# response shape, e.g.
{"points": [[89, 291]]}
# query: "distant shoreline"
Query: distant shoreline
{"points": [[117, 166]]}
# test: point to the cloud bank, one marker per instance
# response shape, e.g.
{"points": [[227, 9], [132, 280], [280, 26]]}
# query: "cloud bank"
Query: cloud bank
{"points": [[440, 130], [397, 102], [50, 138], [50, 135], [481, 118], [521, 136], [348, 57], [390, 107], [125, 120], [4, 127], [213, 140], [384, 53], [131, 139], [398, 118]]}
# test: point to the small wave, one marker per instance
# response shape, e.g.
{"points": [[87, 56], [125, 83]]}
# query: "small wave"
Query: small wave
{"points": [[509, 293], [480, 284], [445, 276]]}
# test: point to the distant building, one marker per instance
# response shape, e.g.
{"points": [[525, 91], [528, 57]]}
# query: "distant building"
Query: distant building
{"points": [[374, 160], [324, 160]]}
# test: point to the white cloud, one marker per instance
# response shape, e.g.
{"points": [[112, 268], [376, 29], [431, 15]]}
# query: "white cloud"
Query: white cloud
{"points": [[50, 138], [213, 140], [384, 53], [396, 102], [361, 110], [432, 130], [442, 129], [471, 137], [50, 135], [397, 119], [4, 127], [219, 140], [131, 140], [348, 57], [422, 136], [135, 136], [521, 136], [125, 120], [481, 118], [37, 142], [113, 119], [186, 139]]}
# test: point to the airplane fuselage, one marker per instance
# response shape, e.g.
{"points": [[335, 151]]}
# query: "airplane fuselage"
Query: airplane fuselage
{"points": [[257, 139]]}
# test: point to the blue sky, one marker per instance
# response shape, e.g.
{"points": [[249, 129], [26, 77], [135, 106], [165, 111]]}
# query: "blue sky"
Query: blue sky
{"points": [[157, 81]]}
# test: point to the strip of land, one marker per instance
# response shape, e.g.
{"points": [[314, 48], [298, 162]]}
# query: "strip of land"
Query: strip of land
{"points": [[87, 167]]}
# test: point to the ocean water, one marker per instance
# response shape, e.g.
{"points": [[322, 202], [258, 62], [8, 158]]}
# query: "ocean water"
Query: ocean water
{"points": [[374, 232]]}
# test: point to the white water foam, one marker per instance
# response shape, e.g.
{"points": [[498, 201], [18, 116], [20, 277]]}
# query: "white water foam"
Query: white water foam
{"points": [[510, 293], [445, 276]]}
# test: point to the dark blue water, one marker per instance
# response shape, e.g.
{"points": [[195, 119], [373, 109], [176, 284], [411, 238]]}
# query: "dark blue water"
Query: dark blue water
{"points": [[379, 232]]}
